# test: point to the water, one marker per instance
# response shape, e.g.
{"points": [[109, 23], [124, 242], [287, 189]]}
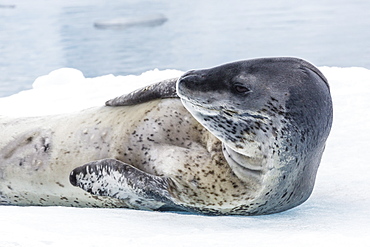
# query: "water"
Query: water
{"points": [[37, 36]]}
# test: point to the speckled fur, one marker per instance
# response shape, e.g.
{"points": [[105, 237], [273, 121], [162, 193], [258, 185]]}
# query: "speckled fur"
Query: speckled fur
{"points": [[176, 146], [273, 116], [249, 153]]}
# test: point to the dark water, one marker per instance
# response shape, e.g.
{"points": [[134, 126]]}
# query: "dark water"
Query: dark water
{"points": [[39, 36]]}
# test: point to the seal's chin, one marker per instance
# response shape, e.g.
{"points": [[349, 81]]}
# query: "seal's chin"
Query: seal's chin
{"points": [[245, 169]]}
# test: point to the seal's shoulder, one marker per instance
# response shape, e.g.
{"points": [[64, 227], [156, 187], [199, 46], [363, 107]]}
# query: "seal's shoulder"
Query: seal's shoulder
{"points": [[160, 90]]}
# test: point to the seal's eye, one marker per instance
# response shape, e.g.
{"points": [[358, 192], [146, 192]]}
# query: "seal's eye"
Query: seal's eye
{"points": [[241, 89]]}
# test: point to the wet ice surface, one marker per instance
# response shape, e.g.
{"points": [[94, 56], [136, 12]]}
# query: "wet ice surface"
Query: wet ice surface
{"points": [[337, 213], [39, 36]]}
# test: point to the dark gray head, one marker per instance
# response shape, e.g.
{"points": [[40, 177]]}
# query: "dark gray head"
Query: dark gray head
{"points": [[273, 116]]}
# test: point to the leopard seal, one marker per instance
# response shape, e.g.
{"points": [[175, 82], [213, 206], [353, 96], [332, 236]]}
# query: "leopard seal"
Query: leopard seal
{"points": [[244, 138]]}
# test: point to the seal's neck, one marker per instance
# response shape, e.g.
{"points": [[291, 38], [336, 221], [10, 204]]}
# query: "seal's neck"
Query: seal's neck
{"points": [[245, 167]]}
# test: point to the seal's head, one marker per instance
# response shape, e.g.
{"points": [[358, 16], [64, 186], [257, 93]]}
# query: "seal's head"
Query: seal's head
{"points": [[273, 116]]}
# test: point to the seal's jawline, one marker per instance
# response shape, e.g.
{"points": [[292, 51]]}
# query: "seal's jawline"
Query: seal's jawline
{"points": [[213, 110], [191, 107], [254, 172], [192, 103]]}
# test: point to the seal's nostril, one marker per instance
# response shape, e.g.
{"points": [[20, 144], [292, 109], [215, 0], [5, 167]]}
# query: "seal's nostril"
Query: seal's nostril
{"points": [[190, 72], [193, 79], [190, 81]]}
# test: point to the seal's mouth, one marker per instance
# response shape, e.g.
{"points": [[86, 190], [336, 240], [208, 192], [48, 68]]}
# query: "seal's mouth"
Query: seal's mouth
{"points": [[202, 109], [210, 110]]}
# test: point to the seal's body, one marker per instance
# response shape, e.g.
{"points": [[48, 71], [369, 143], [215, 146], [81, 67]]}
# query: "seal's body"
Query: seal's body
{"points": [[248, 141], [37, 158]]}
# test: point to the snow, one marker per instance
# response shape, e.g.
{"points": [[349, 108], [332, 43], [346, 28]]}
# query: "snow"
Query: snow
{"points": [[67, 90], [337, 213]]}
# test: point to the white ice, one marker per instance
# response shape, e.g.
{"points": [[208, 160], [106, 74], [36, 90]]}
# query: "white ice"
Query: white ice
{"points": [[337, 213]]}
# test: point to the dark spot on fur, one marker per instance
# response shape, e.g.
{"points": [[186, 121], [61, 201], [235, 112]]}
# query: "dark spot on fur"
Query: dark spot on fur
{"points": [[61, 185]]}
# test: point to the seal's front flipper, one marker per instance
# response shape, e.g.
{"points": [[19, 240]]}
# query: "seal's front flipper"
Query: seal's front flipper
{"points": [[113, 178], [161, 90]]}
